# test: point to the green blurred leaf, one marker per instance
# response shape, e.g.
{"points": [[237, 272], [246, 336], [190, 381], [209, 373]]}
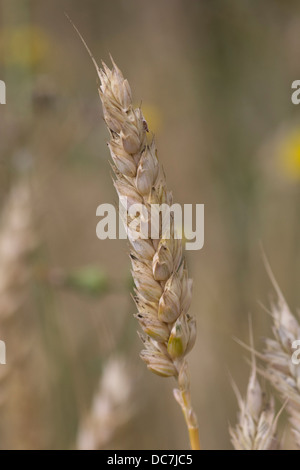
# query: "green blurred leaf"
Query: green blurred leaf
{"points": [[90, 279]]}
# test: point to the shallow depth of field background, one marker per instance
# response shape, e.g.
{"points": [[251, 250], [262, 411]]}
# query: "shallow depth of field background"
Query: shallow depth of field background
{"points": [[214, 79]]}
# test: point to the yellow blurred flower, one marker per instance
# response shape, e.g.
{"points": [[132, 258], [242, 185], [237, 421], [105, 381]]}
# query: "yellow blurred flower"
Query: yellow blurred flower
{"points": [[24, 45], [289, 154]]}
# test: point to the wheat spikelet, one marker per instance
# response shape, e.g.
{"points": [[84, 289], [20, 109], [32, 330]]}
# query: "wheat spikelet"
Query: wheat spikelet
{"points": [[256, 426], [163, 289], [111, 407]]}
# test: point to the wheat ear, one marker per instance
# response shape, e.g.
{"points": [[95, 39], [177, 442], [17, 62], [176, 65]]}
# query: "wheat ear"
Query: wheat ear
{"points": [[163, 289], [280, 370], [257, 422], [17, 242], [111, 407]]}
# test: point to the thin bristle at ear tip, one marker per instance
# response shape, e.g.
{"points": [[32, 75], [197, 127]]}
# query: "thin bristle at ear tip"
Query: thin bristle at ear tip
{"points": [[271, 275], [251, 339], [105, 67], [235, 390], [248, 348], [112, 61], [268, 311], [84, 43], [115, 65]]}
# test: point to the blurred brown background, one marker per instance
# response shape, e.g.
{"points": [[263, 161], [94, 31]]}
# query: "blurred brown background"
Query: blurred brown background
{"points": [[215, 81]]}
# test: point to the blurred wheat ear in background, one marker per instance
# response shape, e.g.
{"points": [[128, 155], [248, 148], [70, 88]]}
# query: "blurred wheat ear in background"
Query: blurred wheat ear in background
{"points": [[279, 369], [17, 242], [112, 405], [257, 422], [163, 290]]}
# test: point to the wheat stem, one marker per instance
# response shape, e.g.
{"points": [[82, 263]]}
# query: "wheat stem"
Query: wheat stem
{"points": [[194, 437], [191, 424]]}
